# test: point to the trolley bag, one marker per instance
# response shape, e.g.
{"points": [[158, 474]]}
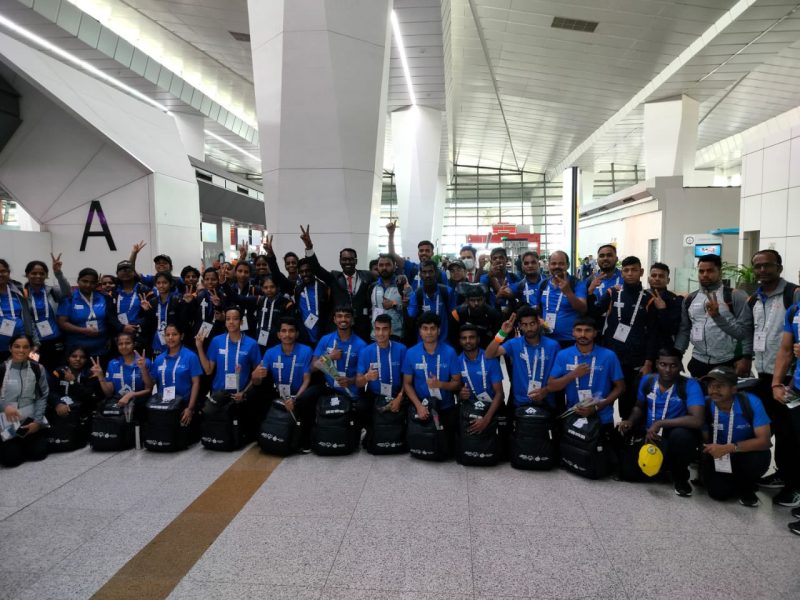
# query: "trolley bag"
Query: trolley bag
{"points": [[582, 447], [388, 435], [68, 433], [162, 430], [221, 430], [427, 439], [334, 432], [532, 445], [279, 433], [112, 428], [476, 449]]}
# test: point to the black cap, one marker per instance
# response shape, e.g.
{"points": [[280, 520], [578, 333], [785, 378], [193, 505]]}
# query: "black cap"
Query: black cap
{"points": [[162, 257], [457, 263], [724, 375], [124, 264]]}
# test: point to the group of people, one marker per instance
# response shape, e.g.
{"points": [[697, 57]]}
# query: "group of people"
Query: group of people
{"points": [[415, 338]]}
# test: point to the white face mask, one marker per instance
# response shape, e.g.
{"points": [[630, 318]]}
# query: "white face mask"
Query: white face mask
{"points": [[469, 263]]}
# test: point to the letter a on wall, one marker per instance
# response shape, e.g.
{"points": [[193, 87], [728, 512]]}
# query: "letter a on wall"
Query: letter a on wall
{"points": [[95, 208]]}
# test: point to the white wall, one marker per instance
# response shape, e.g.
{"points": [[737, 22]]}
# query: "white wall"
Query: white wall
{"points": [[771, 196], [20, 247], [628, 228]]}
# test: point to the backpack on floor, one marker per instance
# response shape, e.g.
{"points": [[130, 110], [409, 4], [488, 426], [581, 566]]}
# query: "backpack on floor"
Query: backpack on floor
{"points": [[162, 431], [582, 447], [68, 433], [334, 431], [112, 427], [427, 439], [388, 433], [533, 446], [279, 433], [476, 449], [221, 429]]}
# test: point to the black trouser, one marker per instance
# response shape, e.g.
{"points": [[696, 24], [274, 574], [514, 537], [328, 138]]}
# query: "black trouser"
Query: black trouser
{"points": [[747, 467], [627, 399], [700, 369], [17, 450], [785, 428], [680, 446]]}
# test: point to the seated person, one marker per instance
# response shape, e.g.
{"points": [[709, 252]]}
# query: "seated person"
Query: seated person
{"points": [[123, 378], [72, 387]]}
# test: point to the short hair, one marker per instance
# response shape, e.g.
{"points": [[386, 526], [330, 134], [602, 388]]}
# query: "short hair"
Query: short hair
{"points": [[468, 327], [290, 321], [89, 271], [210, 270], [714, 259], [303, 262], [670, 353], [530, 253], [163, 275], [33, 264], [384, 318], [348, 250], [177, 326], [427, 263], [373, 263], [189, 269], [428, 318], [564, 254], [261, 257], [238, 309], [527, 311], [470, 249], [425, 243], [384, 256], [289, 255], [343, 308], [630, 261], [4, 263], [585, 321], [243, 263], [498, 250], [20, 336], [660, 266], [776, 255], [612, 246], [123, 334]]}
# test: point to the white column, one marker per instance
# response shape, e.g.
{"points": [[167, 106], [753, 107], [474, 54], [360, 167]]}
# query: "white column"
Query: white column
{"points": [[670, 137], [586, 192], [416, 144], [319, 70], [438, 211]]}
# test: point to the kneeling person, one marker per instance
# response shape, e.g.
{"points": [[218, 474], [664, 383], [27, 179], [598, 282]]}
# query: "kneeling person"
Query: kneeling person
{"points": [[482, 377]]}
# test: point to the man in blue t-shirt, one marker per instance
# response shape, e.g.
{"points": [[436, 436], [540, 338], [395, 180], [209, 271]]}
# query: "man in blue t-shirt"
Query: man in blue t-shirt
{"points": [[608, 276], [500, 283], [736, 453], [562, 299], [670, 409], [432, 376], [482, 378]]}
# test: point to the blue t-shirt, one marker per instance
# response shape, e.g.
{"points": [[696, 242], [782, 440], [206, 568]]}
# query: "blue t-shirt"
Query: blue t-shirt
{"points": [[129, 306], [162, 315], [480, 374], [551, 300], [124, 377], [348, 363], [526, 291], [10, 309], [742, 429], [607, 370], [389, 368], [443, 362], [246, 360], [41, 312], [78, 312], [791, 324], [678, 407], [608, 283], [288, 369], [309, 304], [530, 361], [511, 282], [411, 271], [177, 370], [438, 304]]}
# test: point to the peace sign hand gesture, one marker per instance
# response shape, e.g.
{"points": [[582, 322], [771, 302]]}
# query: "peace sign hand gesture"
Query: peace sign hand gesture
{"points": [[96, 369], [190, 294], [140, 360], [658, 301], [305, 235], [138, 247], [215, 300], [268, 246], [144, 303], [57, 264], [712, 306]]}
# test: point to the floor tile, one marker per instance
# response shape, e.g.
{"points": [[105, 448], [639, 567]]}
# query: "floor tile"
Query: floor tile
{"points": [[776, 559], [731, 517], [192, 590], [351, 594], [31, 481], [55, 585], [13, 581]]}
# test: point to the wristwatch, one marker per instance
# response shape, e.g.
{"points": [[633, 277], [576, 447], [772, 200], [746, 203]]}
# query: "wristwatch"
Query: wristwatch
{"points": [[735, 447]]}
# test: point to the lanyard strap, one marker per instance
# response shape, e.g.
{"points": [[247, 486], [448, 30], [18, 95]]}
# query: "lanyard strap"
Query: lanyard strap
{"points": [[174, 371], [316, 299], [380, 373], [435, 299], [438, 365], [264, 314], [547, 299], [536, 360], [483, 374], [162, 306], [90, 303], [46, 306], [768, 315], [119, 301], [122, 375], [291, 371], [635, 308], [730, 423], [666, 401], [227, 353], [10, 304], [591, 373]]}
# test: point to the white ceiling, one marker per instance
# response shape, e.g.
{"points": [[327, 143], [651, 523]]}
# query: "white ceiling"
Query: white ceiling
{"points": [[516, 92]]}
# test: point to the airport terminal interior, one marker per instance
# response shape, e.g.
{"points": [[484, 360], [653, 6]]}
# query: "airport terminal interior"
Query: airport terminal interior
{"points": [[398, 299]]}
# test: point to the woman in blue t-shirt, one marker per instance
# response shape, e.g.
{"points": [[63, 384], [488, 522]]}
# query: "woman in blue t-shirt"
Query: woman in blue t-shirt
{"points": [[15, 318], [736, 453], [43, 301], [123, 378]]}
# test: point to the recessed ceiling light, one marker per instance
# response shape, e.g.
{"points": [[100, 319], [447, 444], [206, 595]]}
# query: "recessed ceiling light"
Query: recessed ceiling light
{"points": [[574, 24]]}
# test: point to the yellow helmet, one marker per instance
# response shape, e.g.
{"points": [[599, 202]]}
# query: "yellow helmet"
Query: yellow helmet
{"points": [[650, 459]]}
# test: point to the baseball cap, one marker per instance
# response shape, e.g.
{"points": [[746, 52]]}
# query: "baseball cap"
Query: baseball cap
{"points": [[457, 263], [124, 264], [650, 459], [162, 257], [724, 375]]}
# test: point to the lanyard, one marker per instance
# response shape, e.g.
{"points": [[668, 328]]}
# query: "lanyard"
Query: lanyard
{"points": [[46, 306], [347, 356], [469, 379], [204, 305], [666, 402], [162, 306], [438, 365], [291, 371], [264, 314], [532, 369], [228, 353], [768, 315], [119, 301], [635, 308], [591, 373], [378, 354], [528, 292], [308, 300], [547, 299], [174, 371], [90, 303], [10, 304], [730, 423], [435, 299], [123, 385]]}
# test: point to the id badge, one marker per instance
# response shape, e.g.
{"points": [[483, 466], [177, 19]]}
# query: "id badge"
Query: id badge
{"points": [[263, 338], [66, 400], [285, 391], [44, 329], [584, 395], [550, 320], [426, 308], [310, 321], [534, 385], [205, 329], [123, 318], [7, 327], [621, 332], [386, 390], [759, 341], [484, 397], [161, 339], [244, 326], [92, 324], [168, 393], [723, 465], [698, 332], [436, 393], [232, 381]]}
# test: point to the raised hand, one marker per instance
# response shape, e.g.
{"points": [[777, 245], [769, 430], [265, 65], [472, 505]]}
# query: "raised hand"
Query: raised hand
{"points": [[144, 303], [372, 374], [391, 226], [243, 251], [215, 299], [712, 306], [658, 301], [190, 294], [508, 326], [140, 361], [305, 235], [96, 369], [57, 264], [268, 246], [138, 247]]}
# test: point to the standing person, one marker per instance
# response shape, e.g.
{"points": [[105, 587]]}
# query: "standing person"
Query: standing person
{"points": [[261, 268], [430, 297], [386, 296], [15, 317], [457, 282], [666, 304], [158, 311], [526, 291], [204, 312], [718, 322], [482, 377], [241, 287], [630, 329], [127, 298], [432, 376], [268, 310], [348, 286], [562, 299], [412, 270], [736, 453], [769, 304], [106, 285], [343, 347], [469, 257], [609, 276], [23, 399], [500, 283], [43, 301], [161, 263]]}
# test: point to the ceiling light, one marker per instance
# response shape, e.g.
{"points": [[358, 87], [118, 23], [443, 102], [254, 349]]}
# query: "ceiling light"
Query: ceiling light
{"points": [[231, 145], [398, 39], [45, 44]]}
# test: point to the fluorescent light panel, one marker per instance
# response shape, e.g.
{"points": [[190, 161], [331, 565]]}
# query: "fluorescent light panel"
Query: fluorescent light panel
{"points": [[398, 39], [231, 145]]}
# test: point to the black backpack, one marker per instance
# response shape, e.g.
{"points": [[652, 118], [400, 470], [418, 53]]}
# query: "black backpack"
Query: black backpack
{"points": [[582, 447], [280, 432], [427, 439], [388, 433], [476, 449], [112, 430], [221, 429], [334, 432], [162, 431], [727, 298], [788, 296], [67, 433], [533, 445]]}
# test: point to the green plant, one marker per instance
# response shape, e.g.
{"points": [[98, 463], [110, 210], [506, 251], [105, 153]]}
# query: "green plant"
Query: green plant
{"points": [[738, 273]]}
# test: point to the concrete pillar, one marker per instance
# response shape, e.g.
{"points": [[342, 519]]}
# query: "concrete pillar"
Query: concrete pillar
{"points": [[670, 137], [191, 130], [416, 145], [586, 193], [438, 211], [320, 92]]}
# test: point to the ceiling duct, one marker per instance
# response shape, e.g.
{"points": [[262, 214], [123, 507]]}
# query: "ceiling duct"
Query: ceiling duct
{"points": [[574, 24], [9, 112]]}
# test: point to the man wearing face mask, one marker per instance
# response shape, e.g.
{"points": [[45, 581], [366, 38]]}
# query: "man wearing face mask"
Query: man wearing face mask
{"points": [[468, 256], [349, 287]]}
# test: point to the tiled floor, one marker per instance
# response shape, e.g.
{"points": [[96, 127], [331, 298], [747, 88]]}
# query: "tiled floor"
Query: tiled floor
{"points": [[389, 527]]}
